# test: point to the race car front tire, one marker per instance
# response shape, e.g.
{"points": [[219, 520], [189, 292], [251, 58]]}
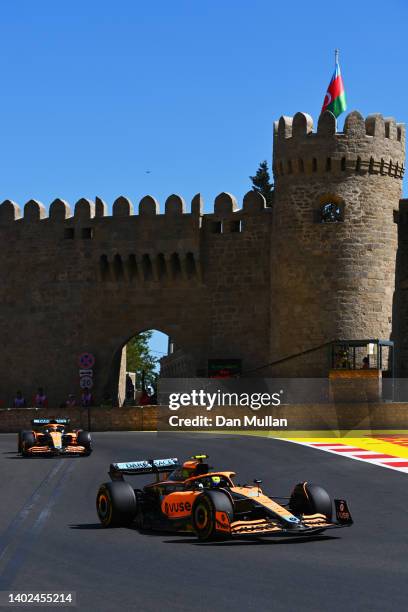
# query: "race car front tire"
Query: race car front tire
{"points": [[28, 440], [116, 504], [84, 439], [204, 514], [20, 436], [308, 498]]}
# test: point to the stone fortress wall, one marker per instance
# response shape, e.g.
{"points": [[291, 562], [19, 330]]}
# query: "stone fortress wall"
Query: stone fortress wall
{"points": [[248, 283], [89, 282]]}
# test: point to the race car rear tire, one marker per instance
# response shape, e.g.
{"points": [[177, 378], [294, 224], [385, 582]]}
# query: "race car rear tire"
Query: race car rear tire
{"points": [[204, 514], [20, 436], [28, 440], [308, 498], [84, 439], [116, 504]]}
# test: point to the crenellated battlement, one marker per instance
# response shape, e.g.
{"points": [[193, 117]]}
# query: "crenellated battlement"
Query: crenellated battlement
{"points": [[374, 145], [151, 246], [34, 211]]}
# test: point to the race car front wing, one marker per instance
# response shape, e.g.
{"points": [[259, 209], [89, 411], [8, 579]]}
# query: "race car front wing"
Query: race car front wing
{"points": [[48, 450], [307, 525]]}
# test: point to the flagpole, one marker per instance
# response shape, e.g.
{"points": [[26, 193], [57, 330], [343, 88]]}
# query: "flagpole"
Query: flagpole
{"points": [[336, 63]]}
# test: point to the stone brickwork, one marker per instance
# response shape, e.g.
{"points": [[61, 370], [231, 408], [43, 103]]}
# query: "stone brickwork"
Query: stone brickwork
{"points": [[177, 365], [239, 282]]}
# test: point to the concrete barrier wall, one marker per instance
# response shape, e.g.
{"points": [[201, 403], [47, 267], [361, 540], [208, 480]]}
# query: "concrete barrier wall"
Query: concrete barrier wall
{"points": [[153, 418]]}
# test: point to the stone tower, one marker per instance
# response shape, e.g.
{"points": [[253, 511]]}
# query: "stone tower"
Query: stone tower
{"points": [[334, 235]]}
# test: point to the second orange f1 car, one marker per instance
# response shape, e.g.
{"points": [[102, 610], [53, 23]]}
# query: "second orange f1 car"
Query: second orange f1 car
{"points": [[192, 497], [50, 437]]}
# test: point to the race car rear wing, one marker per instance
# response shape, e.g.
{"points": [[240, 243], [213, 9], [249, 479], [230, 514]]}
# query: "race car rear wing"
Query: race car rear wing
{"points": [[43, 421], [145, 466]]}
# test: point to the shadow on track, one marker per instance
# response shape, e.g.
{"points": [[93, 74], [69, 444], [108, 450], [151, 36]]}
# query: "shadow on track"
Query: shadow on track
{"points": [[193, 540], [46, 457], [87, 526], [34, 457], [253, 542]]}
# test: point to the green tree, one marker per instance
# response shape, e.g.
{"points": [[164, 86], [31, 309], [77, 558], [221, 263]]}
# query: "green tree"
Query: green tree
{"points": [[261, 183], [139, 358]]}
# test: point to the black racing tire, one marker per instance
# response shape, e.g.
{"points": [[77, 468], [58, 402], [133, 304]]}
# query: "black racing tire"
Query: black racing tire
{"points": [[308, 498], [84, 439], [116, 504], [203, 514], [20, 436], [28, 440]]}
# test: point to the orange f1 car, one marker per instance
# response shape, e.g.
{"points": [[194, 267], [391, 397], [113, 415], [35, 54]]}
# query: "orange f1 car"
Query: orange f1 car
{"points": [[192, 497], [53, 437]]}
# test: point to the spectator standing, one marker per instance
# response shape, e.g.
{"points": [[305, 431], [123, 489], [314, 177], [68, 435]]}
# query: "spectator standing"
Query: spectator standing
{"points": [[130, 388], [19, 400], [40, 399], [145, 398]]}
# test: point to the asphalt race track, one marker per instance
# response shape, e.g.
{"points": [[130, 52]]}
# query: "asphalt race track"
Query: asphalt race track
{"points": [[50, 538]]}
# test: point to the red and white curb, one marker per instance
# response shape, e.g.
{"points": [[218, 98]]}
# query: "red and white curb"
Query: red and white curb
{"points": [[359, 454]]}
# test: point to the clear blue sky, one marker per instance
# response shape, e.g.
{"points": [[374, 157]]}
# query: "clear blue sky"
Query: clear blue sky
{"points": [[95, 93]]}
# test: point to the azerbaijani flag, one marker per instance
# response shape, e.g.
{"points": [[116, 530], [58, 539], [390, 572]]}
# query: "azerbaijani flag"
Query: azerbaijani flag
{"points": [[335, 98]]}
